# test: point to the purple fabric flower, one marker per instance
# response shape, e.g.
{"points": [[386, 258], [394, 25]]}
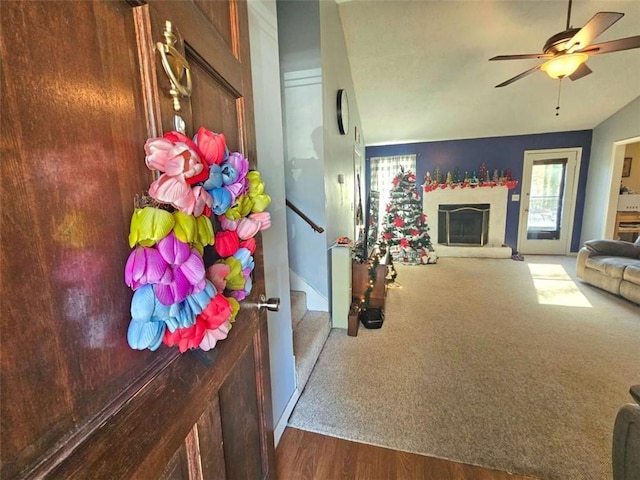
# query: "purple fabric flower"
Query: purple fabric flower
{"points": [[185, 273], [144, 265]]}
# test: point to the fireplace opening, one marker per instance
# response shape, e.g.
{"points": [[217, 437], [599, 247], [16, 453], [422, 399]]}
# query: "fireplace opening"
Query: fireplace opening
{"points": [[463, 224]]}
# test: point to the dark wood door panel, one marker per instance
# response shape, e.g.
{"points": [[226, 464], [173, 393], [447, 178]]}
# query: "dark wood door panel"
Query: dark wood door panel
{"points": [[72, 160], [216, 107], [211, 442], [152, 426], [82, 90], [221, 15], [240, 420]]}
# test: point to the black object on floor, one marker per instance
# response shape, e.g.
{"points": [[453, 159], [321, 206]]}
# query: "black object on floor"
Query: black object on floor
{"points": [[372, 317]]}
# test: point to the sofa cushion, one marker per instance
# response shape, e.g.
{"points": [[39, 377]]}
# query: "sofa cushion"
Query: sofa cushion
{"points": [[610, 266], [618, 248], [632, 273], [630, 291]]}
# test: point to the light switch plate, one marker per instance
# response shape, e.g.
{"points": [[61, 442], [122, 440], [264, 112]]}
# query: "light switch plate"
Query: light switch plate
{"points": [[515, 197]]}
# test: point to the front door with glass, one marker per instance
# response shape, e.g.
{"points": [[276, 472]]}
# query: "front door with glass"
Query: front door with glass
{"points": [[548, 201]]}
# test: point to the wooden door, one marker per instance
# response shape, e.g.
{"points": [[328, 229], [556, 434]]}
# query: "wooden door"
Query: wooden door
{"points": [[82, 89]]}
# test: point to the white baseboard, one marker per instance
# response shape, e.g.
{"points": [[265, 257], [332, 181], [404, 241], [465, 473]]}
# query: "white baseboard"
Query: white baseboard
{"points": [[284, 418], [315, 301]]}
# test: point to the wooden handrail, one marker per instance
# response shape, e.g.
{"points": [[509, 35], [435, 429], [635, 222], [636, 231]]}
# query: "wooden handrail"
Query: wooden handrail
{"points": [[311, 223]]}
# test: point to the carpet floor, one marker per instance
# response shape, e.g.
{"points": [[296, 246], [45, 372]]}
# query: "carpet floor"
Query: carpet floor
{"points": [[515, 366]]}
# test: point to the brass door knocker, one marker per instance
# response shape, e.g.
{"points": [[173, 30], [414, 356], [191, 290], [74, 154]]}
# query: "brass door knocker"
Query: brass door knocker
{"points": [[175, 66]]}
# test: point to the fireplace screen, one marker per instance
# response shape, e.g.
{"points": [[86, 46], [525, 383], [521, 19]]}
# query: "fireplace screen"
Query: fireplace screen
{"points": [[464, 225]]}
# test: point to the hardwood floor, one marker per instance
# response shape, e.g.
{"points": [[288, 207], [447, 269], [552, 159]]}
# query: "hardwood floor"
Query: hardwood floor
{"points": [[306, 455]]}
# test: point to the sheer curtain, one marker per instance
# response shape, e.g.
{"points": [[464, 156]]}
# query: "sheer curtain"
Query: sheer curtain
{"points": [[383, 171]]}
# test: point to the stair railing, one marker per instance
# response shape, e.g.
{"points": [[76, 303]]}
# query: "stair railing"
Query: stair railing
{"points": [[311, 223]]}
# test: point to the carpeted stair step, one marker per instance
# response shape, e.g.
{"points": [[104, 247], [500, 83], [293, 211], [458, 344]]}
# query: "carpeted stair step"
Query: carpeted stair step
{"points": [[298, 307], [309, 336]]}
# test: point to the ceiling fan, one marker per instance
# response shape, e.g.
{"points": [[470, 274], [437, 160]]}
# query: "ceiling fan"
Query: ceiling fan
{"points": [[566, 52]]}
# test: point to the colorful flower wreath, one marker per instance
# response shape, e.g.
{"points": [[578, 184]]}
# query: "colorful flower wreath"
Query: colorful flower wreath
{"points": [[177, 300]]}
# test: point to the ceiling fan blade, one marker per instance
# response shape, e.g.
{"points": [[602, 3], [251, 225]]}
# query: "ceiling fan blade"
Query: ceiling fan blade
{"points": [[582, 71], [613, 46], [522, 56], [518, 77], [594, 27]]}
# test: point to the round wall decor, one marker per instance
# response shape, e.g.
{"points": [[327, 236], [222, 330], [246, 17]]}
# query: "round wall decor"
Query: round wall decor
{"points": [[343, 112]]}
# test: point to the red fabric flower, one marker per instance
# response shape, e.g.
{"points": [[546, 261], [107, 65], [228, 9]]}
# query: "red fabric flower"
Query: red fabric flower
{"points": [[415, 232], [227, 243], [398, 222], [216, 313], [423, 217], [212, 145], [404, 243], [386, 236], [186, 338], [396, 181], [249, 244]]}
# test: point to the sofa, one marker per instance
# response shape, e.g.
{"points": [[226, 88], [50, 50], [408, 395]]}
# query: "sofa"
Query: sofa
{"points": [[612, 265], [626, 439]]}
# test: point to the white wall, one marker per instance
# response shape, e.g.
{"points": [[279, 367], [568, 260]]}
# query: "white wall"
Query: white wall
{"points": [[338, 149], [605, 167], [267, 106], [299, 42], [314, 66]]}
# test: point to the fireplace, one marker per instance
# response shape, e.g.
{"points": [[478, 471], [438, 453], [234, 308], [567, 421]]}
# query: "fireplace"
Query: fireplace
{"points": [[463, 224], [489, 243]]}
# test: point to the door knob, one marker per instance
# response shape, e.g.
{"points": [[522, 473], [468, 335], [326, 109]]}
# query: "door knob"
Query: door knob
{"points": [[272, 304]]}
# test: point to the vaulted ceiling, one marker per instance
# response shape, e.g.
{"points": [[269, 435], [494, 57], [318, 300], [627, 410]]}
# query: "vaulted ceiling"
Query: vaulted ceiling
{"points": [[421, 71]]}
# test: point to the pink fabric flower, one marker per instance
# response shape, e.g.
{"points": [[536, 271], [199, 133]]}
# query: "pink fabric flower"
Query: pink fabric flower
{"points": [[176, 158], [172, 190], [217, 274], [211, 337], [247, 228], [226, 223], [264, 218], [202, 202]]}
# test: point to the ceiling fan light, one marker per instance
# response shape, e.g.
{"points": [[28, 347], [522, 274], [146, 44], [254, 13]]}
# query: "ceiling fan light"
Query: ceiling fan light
{"points": [[564, 65]]}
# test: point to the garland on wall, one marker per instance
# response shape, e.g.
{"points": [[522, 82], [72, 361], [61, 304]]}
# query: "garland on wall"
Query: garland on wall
{"points": [[177, 300], [483, 178]]}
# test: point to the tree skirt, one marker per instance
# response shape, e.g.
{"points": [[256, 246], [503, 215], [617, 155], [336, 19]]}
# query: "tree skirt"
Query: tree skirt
{"points": [[411, 256]]}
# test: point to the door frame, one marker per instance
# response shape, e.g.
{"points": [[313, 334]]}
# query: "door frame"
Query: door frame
{"points": [[617, 157], [569, 202]]}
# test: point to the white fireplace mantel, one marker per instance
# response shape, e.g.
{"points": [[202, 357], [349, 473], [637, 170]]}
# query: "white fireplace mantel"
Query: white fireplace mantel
{"points": [[496, 197]]}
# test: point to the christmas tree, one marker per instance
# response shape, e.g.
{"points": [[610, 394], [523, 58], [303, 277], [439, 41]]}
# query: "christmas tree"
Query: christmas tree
{"points": [[404, 227]]}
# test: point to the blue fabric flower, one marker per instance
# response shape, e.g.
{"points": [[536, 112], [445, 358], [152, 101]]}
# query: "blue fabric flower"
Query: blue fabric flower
{"points": [[146, 329], [215, 178], [221, 200], [229, 174], [243, 255]]}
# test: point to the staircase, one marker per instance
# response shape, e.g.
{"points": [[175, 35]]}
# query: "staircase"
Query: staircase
{"points": [[310, 331]]}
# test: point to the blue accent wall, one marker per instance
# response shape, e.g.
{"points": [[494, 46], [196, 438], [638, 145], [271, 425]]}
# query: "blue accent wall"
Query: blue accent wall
{"points": [[497, 153]]}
